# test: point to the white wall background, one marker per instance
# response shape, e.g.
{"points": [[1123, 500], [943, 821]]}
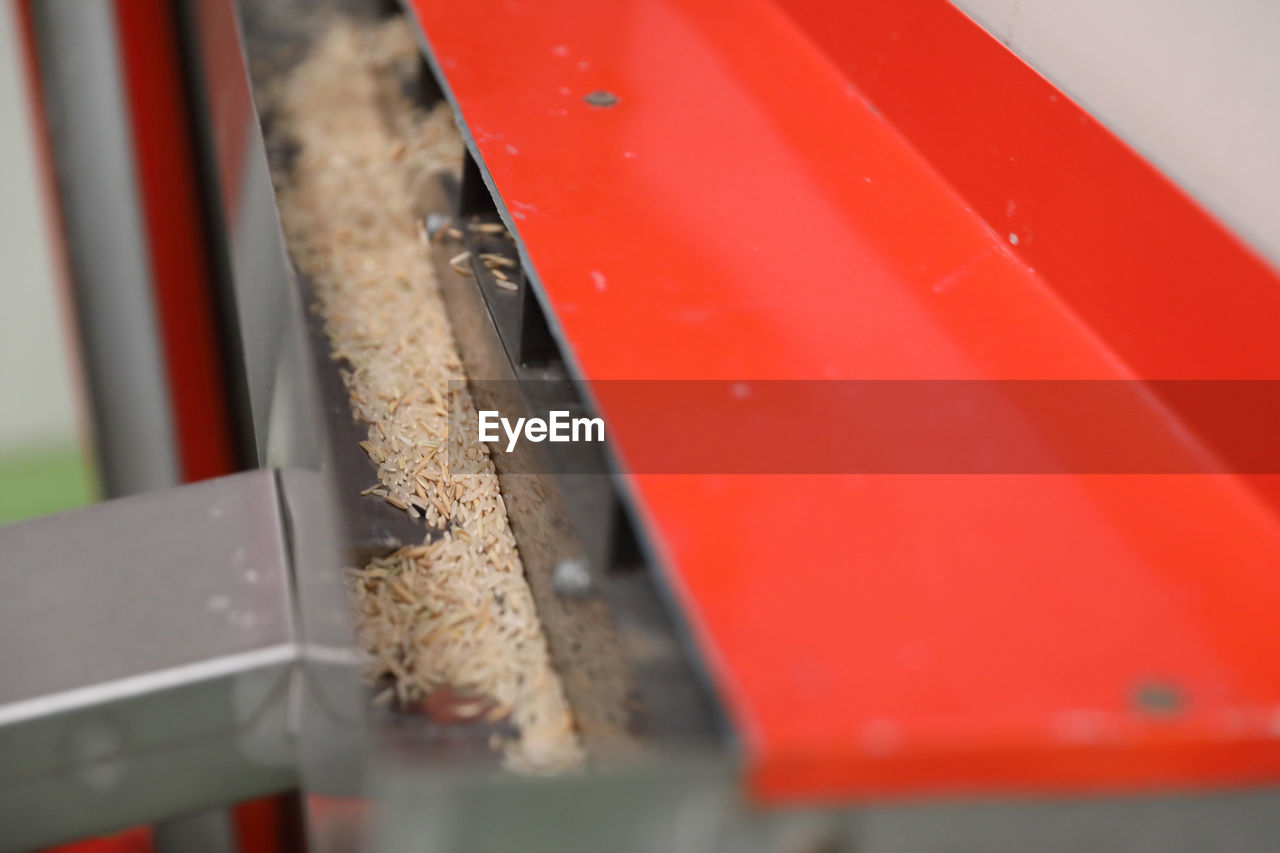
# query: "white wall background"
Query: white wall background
{"points": [[37, 403], [1193, 85]]}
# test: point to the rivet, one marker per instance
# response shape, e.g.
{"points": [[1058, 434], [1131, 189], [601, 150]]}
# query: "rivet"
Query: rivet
{"points": [[571, 578], [601, 98], [1158, 697]]}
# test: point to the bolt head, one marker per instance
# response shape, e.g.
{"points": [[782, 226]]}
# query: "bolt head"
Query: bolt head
{"points": [[1160, 698], [571, 577], [601, 98]]}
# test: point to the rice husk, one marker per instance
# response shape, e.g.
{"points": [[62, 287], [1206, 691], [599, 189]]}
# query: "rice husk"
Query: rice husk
{"points": [[453, 614]]}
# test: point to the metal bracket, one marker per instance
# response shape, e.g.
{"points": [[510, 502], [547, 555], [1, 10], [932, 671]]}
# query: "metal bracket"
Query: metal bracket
{"points": [[150, 649]]}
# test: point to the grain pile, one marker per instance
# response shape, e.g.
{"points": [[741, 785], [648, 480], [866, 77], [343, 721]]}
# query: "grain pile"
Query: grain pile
{"points": [[454, 615]]}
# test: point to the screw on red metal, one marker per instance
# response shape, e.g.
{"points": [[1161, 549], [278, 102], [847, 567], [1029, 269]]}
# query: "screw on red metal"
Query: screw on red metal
{"points": [[601, 98]]}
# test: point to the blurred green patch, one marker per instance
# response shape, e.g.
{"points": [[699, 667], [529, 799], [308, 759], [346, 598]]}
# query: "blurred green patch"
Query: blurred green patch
{"points": [[38, 481]]}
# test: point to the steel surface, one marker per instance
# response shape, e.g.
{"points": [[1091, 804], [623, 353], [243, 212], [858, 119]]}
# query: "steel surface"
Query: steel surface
{"points": [[100, 212], [741, 211], [257, 278], [688, 805], [168, 188], [148, 647]]}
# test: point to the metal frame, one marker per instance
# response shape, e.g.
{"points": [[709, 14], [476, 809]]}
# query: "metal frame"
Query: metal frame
{"points": [[172, 686], [564, 507], [86, 98], [203, 657], [277, 703]]}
